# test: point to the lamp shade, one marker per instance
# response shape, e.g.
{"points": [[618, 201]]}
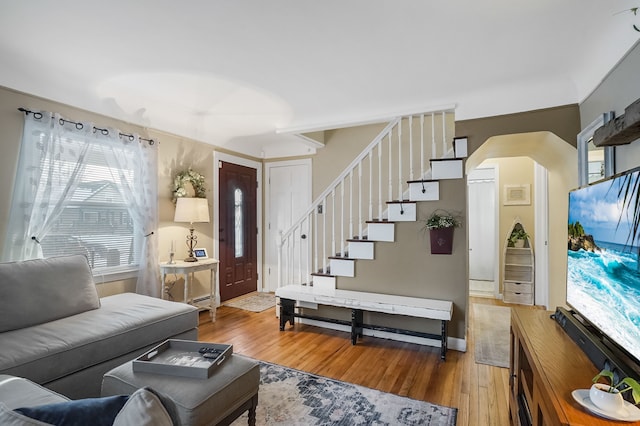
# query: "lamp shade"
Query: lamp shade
{"points": [[191, 210]]}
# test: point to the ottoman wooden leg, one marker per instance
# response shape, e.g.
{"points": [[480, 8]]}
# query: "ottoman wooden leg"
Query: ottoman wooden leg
{"points": [[252, 410]]}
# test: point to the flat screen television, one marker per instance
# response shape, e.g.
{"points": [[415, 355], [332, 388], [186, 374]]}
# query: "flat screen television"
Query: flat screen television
{"points": [[603, 276]]}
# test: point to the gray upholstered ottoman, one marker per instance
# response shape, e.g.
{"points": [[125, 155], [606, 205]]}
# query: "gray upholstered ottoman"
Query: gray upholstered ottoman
{"points": [[230, 391]]}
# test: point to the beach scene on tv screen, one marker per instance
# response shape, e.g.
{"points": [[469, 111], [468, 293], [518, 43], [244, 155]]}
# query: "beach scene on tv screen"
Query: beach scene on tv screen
{"points": [[603, 280]]}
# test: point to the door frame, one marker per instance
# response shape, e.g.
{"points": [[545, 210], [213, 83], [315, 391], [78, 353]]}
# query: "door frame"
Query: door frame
{"points": [[229, 158], [487, 164], [541, 239], [268, 166]]}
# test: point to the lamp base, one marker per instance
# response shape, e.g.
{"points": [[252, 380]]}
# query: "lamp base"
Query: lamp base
{"points": [[191, 259]]}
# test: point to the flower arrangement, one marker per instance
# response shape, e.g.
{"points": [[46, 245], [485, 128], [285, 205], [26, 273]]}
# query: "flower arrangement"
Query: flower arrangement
{"points": [[193, 177], [442, 219]]}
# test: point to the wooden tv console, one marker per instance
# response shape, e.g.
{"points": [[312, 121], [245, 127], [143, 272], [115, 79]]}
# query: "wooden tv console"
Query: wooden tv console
{"points": [[546, 366]]}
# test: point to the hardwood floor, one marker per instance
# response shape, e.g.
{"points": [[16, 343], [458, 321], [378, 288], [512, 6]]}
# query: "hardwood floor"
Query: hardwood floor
{"points": [[480, 392]]}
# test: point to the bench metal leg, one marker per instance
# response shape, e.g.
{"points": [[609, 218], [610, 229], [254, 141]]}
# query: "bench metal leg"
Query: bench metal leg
{"points": [[287, 312], [356, 325], [443, 346]]}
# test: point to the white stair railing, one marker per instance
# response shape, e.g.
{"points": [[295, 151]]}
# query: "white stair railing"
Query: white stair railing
{"points": [[306, 246]]}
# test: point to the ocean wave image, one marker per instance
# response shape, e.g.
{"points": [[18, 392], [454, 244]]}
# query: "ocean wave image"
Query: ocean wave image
{"points": [[605, 286]]}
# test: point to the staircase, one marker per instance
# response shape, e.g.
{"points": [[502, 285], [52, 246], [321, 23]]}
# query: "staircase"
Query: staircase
{"points": [[402, 166]]}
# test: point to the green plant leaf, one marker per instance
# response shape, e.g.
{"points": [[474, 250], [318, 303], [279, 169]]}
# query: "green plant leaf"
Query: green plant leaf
{"points": [[633, 385], [604, 374]]}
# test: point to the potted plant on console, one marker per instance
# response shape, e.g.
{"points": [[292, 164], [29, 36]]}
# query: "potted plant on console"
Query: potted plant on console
{"points": [[441, 224], [608, 397]]}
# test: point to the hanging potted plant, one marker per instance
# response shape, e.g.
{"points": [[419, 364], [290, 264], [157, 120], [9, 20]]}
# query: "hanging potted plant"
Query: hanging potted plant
{"points": [[441, 224]]}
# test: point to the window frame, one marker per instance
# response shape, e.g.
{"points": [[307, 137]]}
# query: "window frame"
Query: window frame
{"points": [[107, 273], [583, 139]]}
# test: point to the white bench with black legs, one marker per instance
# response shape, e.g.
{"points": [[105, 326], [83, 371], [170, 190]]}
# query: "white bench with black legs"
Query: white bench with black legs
{"points": [[299, 296]]}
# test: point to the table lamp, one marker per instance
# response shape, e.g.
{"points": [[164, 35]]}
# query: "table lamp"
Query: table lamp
{"points": [[191, 210]]}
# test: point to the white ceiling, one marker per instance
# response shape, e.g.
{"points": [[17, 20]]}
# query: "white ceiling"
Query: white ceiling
{"points": [[247, 75]]}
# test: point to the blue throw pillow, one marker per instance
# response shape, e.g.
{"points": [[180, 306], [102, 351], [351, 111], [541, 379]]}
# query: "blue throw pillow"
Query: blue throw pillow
{"points": [[90, 411]]}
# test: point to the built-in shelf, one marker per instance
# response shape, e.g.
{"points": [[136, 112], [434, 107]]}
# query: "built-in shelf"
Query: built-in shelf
{"points": [[518, 277]]}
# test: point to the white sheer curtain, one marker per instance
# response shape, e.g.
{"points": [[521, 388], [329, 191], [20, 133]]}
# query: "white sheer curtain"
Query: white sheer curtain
{"points": [[43, 184], [53, 154], [140, 192]]}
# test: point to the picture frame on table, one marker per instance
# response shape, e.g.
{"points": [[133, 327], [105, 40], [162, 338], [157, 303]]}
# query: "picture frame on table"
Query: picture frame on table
{"points": [[200, 253]]}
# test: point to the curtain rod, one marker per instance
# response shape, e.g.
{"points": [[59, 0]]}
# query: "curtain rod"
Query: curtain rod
{"points": [[38, 115]]}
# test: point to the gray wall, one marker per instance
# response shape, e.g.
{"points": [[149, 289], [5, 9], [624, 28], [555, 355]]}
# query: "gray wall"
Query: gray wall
{"points": [[618, 90]]}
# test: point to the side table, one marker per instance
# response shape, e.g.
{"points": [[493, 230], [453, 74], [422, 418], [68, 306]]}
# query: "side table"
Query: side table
{"points": [[187, 269]]}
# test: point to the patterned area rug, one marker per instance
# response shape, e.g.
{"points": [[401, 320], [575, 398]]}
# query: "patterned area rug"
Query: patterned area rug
{"points": [[491, 334], [292, 397], [256, 302]]}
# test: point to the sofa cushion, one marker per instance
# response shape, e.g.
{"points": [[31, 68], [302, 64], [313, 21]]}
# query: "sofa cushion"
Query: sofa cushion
{"points": [[123, 324], [41, 290], [144, 408], [90, 411], [12, 418], [19, 392]]}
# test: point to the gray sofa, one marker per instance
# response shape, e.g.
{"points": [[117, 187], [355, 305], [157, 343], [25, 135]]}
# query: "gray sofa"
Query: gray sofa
{"points": [[24, 403], [57, 332]]}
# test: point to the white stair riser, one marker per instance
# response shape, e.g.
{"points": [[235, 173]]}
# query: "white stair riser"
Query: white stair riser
{"points": [[431, 191], [450, 169], [324, 283], [460, 147], [401, 212], [342, 268], [359, 250], [381, 232]]}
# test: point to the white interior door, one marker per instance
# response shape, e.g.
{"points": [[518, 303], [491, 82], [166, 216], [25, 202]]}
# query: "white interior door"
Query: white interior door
{"points": [[288, 197], [482, 219]]}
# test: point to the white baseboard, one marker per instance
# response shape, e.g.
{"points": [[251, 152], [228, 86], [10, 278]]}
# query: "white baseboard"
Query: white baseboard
{"points": [[454, 343]]}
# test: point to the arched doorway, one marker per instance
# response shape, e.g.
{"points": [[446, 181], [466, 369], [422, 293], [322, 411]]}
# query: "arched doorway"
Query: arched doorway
{"points": [[553, 154]]}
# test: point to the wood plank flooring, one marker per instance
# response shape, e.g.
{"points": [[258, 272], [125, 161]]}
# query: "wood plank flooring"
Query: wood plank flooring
{"points": [[480, 392]]}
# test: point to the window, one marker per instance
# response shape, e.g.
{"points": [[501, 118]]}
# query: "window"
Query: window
{"points": [[87, 224], [239, 223], [84, 190], [594, 163]]}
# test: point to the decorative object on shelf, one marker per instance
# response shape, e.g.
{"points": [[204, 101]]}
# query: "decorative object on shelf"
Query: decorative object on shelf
{"points": [[189, 176], [518, 237], [441, 224], [628, 412], [191, 210], [609, 396], [518, 266]]}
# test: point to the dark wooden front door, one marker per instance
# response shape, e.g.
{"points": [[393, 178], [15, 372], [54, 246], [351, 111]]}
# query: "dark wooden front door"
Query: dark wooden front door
{"points": [[238, 230]]}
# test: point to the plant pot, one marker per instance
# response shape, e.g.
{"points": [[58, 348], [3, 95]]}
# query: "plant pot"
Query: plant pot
{"points": [[441, 240], [518, 244], [605, 400]]}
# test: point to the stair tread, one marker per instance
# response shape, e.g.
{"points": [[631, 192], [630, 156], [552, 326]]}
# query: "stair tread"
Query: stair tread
{"points": [[401, 202], [423, 180], [320, 274], [447, 159]]}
